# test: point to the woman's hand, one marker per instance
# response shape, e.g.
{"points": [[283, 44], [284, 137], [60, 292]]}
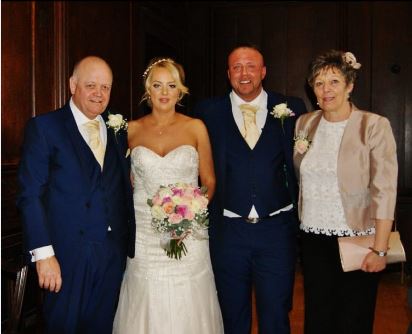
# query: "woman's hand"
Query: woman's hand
{"points": [[373, 263]]}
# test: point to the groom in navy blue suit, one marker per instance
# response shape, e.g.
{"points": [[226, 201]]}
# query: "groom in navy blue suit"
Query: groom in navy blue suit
{"points": [[76, 204], [253, 220]]}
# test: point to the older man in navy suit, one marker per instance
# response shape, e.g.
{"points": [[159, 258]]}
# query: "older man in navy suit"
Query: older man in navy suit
{"points": [[76, 204], [253, 220]]}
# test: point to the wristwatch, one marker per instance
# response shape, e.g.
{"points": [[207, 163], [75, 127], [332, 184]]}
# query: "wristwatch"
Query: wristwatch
{"points": [[379, 253]]}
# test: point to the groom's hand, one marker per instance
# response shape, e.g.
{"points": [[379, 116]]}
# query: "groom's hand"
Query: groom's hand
{"points": [[48, 271]]}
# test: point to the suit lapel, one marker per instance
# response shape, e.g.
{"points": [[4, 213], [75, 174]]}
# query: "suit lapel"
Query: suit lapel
{"points": [[309, 131], [118, 143], [223, 124], [88, 164]]}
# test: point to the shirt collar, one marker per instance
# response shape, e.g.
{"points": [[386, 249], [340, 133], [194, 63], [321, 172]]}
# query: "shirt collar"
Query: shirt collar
{"points": [[260, 100], [79, 117]]}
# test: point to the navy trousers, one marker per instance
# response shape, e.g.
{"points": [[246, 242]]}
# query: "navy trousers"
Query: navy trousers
{"points": [[88, 299], [262, 256]]}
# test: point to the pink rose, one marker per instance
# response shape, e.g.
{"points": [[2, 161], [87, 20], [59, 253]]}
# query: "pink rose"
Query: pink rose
{"points": [[166, 199], [175, 218], [181, 209], [301, 145], [189, 215], [157, 200]]}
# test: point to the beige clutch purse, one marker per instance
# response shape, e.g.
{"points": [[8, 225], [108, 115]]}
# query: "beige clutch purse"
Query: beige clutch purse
{"points": [[353, 250]]}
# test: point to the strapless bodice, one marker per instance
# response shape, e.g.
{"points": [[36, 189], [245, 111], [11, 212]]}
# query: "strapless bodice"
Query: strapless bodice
{"points": [[151, 170]]}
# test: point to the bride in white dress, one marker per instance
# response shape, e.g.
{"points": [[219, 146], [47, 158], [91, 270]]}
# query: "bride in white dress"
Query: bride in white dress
{"points": [[160, 294]]}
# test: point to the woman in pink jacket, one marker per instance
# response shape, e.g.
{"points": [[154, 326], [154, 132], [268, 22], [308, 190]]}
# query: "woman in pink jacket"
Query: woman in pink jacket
{"points": [[345, 159]]}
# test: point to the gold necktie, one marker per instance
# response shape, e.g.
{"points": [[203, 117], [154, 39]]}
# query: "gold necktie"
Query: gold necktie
{"points": [[250, 131], [95, 143]]}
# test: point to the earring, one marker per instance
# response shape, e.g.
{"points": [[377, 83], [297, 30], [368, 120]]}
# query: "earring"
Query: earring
{"points": [[317, 103]]}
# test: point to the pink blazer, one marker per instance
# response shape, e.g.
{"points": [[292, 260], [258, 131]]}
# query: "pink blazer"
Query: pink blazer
{"points": [[367, 166]]}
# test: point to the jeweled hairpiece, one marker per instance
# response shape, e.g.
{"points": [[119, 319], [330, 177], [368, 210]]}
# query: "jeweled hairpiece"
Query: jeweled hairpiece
{"points": [[146, 72], [350, 58]]}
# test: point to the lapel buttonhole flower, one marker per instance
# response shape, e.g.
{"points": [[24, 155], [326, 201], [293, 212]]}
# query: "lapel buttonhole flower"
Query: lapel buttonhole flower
{"points": [[116, 123], [282, 111], [302, 143]]}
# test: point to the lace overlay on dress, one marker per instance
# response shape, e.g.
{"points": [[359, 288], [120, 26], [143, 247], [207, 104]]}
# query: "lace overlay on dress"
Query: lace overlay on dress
{"points": [[159, 294], [322, 210]]}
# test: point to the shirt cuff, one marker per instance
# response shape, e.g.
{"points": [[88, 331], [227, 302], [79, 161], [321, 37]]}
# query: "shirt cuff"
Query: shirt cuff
{"points": [[41, 253]]}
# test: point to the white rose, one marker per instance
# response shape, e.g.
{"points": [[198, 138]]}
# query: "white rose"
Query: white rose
{"points": [[115, 120], [196, 206], [157, 212], [165, 192], [281, 108], [177, 200]]}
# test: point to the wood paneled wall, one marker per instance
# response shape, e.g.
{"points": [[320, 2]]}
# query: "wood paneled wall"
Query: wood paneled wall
{"points": [[41, 41]]}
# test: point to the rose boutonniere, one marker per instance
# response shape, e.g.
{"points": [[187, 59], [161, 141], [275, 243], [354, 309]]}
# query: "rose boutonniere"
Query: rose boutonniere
{"points": [[116, 123], [302, 143], [282, 111]]}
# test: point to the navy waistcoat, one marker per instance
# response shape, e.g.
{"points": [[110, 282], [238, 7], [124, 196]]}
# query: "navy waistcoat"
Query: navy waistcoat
{"points": [[255, 177]]}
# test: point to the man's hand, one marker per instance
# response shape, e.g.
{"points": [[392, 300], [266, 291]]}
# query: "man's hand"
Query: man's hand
{"points": [[48, 271]]}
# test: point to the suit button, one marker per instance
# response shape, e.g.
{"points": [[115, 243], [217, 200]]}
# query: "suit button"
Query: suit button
{"points": [[81, 232], [88, 205], [253, 195]]}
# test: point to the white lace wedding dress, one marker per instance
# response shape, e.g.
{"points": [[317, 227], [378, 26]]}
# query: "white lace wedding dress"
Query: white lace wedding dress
{"points": [[160, 295]]}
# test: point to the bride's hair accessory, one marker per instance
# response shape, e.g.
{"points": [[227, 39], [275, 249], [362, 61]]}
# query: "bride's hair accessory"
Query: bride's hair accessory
{"points": [[350, 58], [146, 72]]}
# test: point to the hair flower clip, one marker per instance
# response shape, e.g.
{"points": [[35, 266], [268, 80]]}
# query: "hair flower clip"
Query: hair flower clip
{"points": [[350, 58]]}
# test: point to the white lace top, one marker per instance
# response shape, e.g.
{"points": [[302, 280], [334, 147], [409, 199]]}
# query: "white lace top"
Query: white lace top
{"points": [[322, 210]]}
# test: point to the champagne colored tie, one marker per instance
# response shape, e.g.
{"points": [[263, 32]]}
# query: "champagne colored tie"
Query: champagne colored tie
{"points": [[250, 131], [95, 143]]}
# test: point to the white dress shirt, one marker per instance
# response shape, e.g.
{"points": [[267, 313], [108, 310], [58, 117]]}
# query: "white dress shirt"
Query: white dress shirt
{"points": [[44, 252]]}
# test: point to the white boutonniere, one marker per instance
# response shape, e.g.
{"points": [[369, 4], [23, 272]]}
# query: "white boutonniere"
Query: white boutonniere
{"points": [[282, 111], [302, 142], [116, 123]]}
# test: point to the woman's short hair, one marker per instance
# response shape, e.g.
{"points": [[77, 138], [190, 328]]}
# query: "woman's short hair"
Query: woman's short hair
{"points": [[174, 68], [345, 62]]}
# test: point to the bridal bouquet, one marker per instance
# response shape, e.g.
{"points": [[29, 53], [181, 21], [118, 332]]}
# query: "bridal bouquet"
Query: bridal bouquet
{"points": [[178, 210]]}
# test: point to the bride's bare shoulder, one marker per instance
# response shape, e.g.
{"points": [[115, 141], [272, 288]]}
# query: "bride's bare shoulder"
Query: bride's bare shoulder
{"points": [[196, 124], [136, 124]]}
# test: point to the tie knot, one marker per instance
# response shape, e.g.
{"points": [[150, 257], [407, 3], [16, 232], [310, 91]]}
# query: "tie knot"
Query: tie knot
{"points": [[92, 126], [248, 108]]}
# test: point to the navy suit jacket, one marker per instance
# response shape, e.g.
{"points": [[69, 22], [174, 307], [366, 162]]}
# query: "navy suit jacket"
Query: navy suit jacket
{"points": [[217, 112], [62, 199]]}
